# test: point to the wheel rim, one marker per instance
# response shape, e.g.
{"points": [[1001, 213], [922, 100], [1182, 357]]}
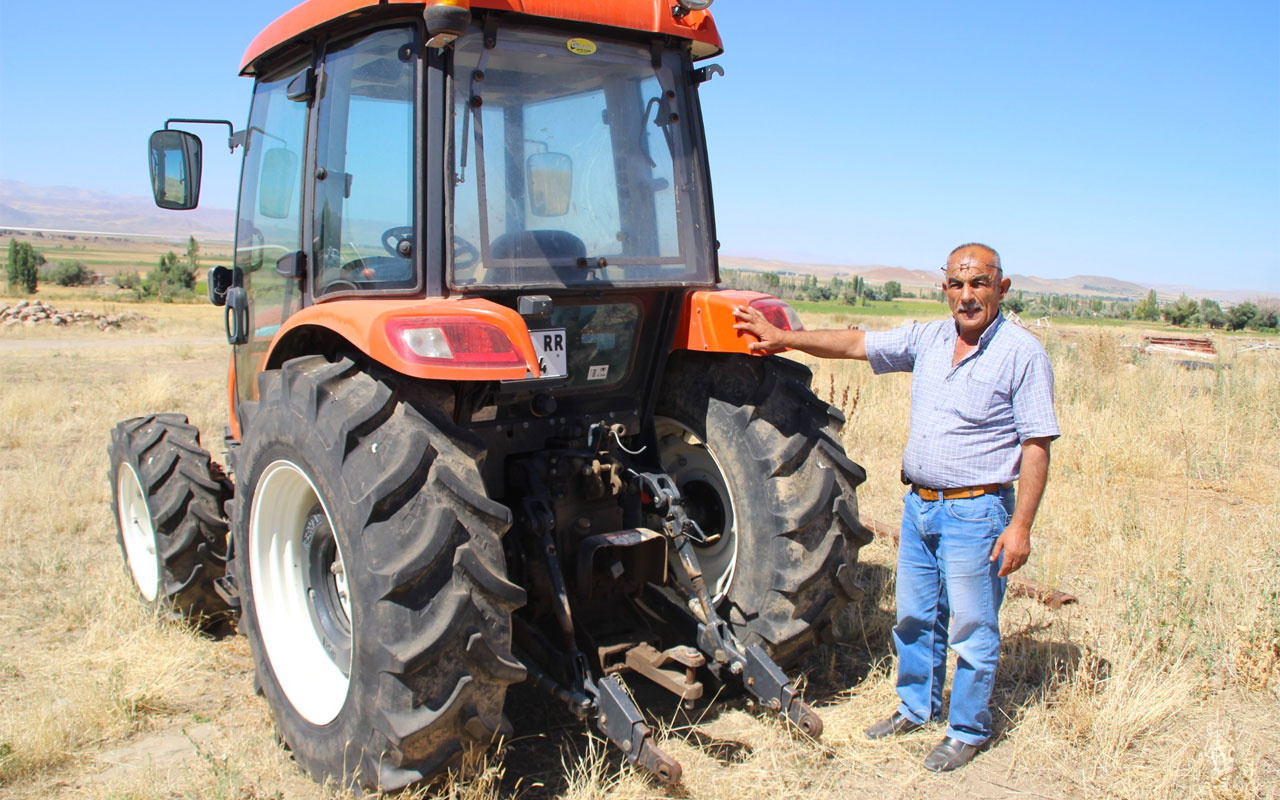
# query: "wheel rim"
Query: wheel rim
{"points": [[298, 579], [700, 479], [137, 533]]}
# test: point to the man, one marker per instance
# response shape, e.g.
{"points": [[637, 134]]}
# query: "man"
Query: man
{"points": [[981, 418]]}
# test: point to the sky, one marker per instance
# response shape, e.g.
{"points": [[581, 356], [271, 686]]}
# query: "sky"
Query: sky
{"points": [[1138, 140]]}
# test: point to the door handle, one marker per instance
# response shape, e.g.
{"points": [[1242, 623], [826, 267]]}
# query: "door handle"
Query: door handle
{"points": [[236, 315]]}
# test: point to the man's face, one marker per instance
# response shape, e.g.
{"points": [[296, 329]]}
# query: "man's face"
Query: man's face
{"points": [[974, 288]]}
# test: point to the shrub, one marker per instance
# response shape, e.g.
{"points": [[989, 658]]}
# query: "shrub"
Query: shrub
{"points": [[69, 273], [127, 280]]}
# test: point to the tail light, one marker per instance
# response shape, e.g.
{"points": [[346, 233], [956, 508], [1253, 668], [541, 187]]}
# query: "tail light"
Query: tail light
{"points": [[778, 313], [452, 341]]}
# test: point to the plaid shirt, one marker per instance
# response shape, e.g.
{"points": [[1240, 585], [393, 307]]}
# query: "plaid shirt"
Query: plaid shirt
{"points": [[968, 422]]}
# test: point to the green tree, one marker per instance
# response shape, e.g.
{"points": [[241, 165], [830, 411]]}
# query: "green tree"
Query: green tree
{"points": [[892, 289], [1015, 303], [1212, 314], [1181, 312], [1241, 316], [23, 267], [1148, 308], [170, 277], [1268, 319], [191, 258]]}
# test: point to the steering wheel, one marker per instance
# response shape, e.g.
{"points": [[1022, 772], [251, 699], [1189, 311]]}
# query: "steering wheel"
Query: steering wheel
{"points": [[398, 241], [465, 254]]}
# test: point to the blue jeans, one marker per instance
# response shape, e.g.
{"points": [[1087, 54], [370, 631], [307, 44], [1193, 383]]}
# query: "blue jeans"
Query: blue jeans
{"points": [[945, 576]]}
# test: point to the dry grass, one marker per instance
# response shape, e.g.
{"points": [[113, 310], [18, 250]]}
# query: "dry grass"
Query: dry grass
{"points": [[1163, 516]]}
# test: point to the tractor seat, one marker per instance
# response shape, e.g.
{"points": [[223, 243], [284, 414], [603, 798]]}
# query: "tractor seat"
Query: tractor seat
{"points": [[540, 245]]}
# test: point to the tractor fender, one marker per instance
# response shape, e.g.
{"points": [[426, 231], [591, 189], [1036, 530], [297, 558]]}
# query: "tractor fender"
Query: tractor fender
{"points": [[706, 321], [366, 325]]}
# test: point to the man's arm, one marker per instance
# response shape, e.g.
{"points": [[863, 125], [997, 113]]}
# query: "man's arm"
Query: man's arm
{"points": [[1015, 541], [824, 343]]}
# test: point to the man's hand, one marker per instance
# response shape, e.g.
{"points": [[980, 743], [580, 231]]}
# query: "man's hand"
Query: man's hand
{"points": [[1015, 544], [754, 323]]}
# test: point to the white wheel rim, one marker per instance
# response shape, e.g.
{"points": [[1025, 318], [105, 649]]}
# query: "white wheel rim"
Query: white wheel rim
{"points": [[137, 533], [687, 459], [314, 683]]}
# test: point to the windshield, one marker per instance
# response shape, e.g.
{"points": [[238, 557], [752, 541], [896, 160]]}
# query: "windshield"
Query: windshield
{"points": [[573, 164]]}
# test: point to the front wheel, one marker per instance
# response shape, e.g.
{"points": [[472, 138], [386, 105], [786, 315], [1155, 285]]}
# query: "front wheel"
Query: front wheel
{"points": [[760, 469], [167, 496], [372, 578]]}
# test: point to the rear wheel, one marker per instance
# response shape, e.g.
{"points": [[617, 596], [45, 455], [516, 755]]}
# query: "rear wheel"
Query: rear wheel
{"points": [[757, 460], [167, 495], [372, 578]]}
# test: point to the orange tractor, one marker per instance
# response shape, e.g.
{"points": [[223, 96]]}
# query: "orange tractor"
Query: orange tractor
{"points": [[489, 419]]}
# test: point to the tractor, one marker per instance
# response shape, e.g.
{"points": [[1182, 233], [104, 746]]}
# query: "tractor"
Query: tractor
{"points": [[489, 420]]}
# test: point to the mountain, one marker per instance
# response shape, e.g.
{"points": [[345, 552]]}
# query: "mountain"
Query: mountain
{"points": [[66, 208], [1098, 286]]}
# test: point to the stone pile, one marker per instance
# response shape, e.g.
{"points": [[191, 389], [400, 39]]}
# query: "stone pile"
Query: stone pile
{"points": [[29, 314]]}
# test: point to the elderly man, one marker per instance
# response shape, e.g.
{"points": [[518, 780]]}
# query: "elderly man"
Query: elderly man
{"points": [[981, 418]]}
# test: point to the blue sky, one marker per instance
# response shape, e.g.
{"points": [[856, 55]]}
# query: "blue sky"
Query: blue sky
{"points": [[1139, 140]]}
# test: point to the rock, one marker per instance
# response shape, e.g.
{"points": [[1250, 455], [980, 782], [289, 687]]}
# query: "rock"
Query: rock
{"points": [[9, 323], [22, 304]]}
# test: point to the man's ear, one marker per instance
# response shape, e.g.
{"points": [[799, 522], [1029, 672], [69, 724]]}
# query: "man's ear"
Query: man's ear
{"points": [[1005, 283]]}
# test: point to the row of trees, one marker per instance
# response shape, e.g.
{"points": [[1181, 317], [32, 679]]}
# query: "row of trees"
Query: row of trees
{"points": [[850, 291], [1183, 312], [173, 276]]}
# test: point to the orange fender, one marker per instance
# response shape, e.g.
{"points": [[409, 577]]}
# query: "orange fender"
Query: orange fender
{"points": [[706, 322], [371, 326]]}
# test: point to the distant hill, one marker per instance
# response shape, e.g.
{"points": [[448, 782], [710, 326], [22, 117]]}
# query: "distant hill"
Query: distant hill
{"points": [[914, 279], [65, 208]]}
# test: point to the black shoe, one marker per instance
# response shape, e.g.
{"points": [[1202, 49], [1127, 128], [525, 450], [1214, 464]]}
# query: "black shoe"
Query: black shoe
{"points": [[949, 754], [899, 723]]}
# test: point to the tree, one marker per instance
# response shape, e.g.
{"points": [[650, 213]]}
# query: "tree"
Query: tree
{"points": [[1268, 319], [23, 266], [1015, 303], [1181, 312], [1148, 308], [191, 257], [1212, 314], [892, 289], [170, 277], [1241, 316]]}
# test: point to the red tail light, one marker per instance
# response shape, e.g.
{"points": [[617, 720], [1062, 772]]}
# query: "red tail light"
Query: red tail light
{"points": [[778, 313], [452, 341]]}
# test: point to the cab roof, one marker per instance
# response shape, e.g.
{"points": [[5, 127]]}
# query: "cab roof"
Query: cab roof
{"points": [[653, 16]]}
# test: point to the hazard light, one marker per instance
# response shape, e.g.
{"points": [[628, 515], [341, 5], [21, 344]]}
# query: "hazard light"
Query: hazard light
{"points": [[452, 341], [695, 5], [778, 313], [446, 20]]}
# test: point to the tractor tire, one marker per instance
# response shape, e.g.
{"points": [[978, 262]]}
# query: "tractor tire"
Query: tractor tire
{"points": [[167, 497], [372, 579], [758, 462]]}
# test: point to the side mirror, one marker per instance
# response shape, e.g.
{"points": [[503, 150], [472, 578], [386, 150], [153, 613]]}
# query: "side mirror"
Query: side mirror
{"points": [[220, 280], [175, 169], [550, 181], [279, 174]]}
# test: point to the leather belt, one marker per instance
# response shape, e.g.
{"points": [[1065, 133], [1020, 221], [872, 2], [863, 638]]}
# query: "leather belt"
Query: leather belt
{"points": [[958, 493]]}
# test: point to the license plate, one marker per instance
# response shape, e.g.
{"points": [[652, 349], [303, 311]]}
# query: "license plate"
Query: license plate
{"points": [[553, 356]]}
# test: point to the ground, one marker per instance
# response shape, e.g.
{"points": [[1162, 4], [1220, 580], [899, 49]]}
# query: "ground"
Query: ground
{"points": [[1162, 517]]}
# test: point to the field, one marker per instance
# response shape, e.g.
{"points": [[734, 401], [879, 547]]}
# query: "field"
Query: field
{"points": [[1162, 516]]}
